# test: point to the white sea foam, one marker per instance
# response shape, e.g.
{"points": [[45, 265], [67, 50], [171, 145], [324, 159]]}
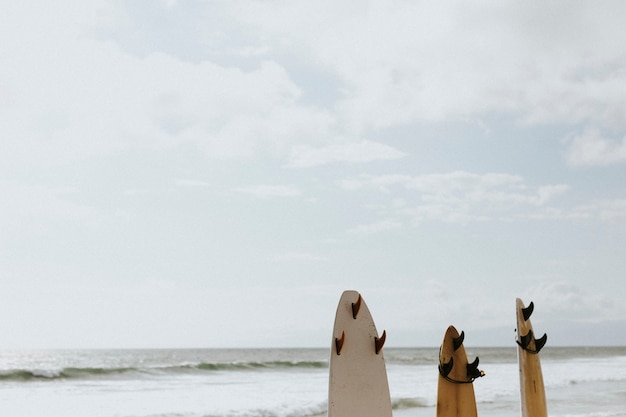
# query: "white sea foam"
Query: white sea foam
{"points": [[285, 383]]}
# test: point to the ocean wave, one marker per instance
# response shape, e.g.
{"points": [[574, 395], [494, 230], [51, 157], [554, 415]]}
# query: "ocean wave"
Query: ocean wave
{"points": [[598, 414], [258, 365], [23, 375], [65, 373], [314, 410], [405, 403]]}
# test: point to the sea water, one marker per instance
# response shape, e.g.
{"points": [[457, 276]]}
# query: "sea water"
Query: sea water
{"points": [[588, 382]]}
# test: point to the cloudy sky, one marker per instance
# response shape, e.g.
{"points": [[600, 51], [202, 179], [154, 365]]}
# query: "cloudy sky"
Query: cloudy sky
{"points": [[215, 173]]}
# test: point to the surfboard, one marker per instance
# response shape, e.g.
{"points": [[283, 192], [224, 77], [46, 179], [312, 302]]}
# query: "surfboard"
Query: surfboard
{"points": [[533, 396], [455, 390], [358, 385]]}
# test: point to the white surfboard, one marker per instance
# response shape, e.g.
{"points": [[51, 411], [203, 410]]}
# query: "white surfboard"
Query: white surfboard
{"points": [[533, 396], [358, 384], [455, 390]]}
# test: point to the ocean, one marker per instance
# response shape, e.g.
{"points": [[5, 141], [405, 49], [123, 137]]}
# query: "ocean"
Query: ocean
{"points": [[579, 381]]}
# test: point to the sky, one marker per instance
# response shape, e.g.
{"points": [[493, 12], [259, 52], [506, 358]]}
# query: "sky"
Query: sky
{"points": [[213, 173]]}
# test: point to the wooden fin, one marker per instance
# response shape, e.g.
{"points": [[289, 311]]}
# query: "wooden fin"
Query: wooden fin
{"points": [[356, 307], [526, 312], [458, 341], [380, 341], [339, 342]]}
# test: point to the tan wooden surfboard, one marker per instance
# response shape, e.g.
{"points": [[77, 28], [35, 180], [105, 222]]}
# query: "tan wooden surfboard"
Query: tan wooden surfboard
{"points": [[533, 396], [358, 384], [455, 390]]}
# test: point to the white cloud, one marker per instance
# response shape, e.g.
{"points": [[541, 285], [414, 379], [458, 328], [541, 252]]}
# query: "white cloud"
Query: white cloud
{"points": [[296, 256], [304, 156], [610, 210], [490, 187], [374, 228], [452, 212], [71, 97], [593, 148], [567, 301], [164, 89], [189, 183], [266, 191], [437, 183], [545, 193], [417, 62], [382, 182], [460, 196], [421, 61]]}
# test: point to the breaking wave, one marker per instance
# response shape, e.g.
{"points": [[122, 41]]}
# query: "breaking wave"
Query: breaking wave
{"points": [[90, 372], [404, 403]]}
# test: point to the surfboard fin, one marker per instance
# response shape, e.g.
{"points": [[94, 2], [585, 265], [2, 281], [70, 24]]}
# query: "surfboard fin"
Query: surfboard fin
{"points": [[356, 307], [458, 341], [446, 368], [339, 342], [524, 342], [472, 370], [541, 342], [380, 341], [526, 312]]}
